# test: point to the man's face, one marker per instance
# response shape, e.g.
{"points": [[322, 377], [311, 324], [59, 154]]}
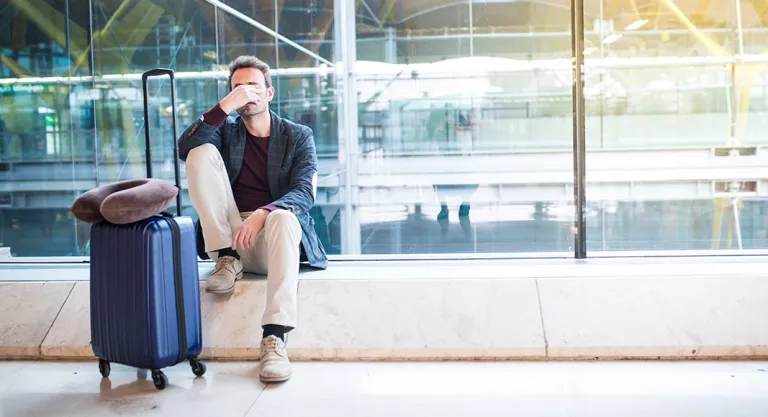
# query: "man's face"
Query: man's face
{"points": [[254, 78]]}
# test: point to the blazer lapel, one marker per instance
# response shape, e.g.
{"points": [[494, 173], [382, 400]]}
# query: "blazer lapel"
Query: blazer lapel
{"points": [[275, 154]]}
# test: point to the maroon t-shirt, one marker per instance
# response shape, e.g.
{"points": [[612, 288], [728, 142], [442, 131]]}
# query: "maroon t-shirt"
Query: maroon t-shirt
{"points": [[251, 189]]}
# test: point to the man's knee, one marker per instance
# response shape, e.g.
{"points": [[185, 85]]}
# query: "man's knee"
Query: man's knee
{"points": [[202, 156], [282, 219]]}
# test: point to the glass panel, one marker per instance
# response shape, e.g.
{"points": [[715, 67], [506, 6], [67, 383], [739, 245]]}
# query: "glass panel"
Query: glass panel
{"points": [[659, 28], [306, 93], [751, 125], [310, 25], [665, 126], [46, 146], [238, 37], [752, 79], [130, 39], [311, 100], [465, 129]]}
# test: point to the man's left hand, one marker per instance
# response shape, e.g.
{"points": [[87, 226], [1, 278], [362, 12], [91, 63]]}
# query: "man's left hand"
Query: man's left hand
{"points": [[246, 234]]}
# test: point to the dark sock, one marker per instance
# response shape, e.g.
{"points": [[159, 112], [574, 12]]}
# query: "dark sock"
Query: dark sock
{"points": [[275, 330], [228, 252]]}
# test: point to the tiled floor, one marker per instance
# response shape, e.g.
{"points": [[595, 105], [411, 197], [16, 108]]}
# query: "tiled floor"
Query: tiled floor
{"points": [[615, 389]]}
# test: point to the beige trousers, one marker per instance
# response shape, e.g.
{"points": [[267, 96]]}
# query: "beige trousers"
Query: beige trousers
{"points": [[276, 251]]}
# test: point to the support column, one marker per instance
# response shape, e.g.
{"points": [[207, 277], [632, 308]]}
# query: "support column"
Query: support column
{"points": [[390, 45], [579, 141], [346, 55]]}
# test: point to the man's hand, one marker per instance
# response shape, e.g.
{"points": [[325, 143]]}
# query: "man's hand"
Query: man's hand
{"points": [[246, 234], [240, 96]]}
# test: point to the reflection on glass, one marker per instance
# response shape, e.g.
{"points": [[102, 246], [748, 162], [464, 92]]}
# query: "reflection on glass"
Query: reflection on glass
{"points": [[672, 124], [238, 37], [455, 103], [46, 156], [463, 140], [311, 100], [311, 26]]}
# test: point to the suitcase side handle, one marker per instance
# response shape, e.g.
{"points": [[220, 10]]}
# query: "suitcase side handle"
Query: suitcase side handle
{"points": [[156, 72]]}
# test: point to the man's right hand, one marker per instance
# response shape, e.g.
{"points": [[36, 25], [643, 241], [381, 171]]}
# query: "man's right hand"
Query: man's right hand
{"points": [[239, 97]]}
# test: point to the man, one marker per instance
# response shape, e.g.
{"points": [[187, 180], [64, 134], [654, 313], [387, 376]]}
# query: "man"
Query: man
{"points": [[251, 182]]}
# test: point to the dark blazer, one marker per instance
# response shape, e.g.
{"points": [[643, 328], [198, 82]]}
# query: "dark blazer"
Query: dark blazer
{"points": [[291, 165]]}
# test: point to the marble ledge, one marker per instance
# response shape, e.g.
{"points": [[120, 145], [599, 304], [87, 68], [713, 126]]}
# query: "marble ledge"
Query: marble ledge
{"points": [[402, 320], [27, 312]]}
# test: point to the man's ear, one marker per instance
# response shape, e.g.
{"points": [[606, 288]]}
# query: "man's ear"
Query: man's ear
{"points": [[270, 93]]}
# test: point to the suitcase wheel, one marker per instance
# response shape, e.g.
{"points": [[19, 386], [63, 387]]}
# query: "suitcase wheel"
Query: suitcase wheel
{"points": [[198, 368], [159, 378], [104, 368]]}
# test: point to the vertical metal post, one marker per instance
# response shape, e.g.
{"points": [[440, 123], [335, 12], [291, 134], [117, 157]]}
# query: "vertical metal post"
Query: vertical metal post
{"points": [[71, 120], [739, 27], [736, 222], [602, 86], [157, 45], [471, 31], [277, 56], [604, 231], [216, 36], [346, 55], [733, 105], [579, 140], [736, 101], [92, 52], [736, 92], [390, 45], [221, 40]]}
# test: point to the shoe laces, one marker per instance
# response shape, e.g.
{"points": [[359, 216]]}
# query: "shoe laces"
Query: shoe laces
{"points": [[272, 344], [226, 262]]}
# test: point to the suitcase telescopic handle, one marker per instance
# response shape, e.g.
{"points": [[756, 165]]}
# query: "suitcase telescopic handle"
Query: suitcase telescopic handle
{"points": [[156, 72]]}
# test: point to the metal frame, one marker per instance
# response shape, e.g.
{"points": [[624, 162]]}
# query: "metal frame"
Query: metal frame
{"points": [[579, 134], [460, 2], [554, 64], [93, 86], [373, 15], [346, 55], [265, 29], [746, 256]]}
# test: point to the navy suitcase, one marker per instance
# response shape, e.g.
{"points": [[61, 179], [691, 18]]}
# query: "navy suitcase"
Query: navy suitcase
{"points": [[145, 289]]}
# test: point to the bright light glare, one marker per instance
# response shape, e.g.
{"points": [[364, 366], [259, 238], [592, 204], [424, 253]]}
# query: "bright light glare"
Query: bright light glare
{"points": [[637, 24], [611, 39]]}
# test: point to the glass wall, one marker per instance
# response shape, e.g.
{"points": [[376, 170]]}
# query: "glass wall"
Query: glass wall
{"points": [[465, 131], [46, 126], [674, 126], [71, 104], [449, 130]]}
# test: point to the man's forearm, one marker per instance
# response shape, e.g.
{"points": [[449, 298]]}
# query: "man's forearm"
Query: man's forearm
{"points": [[215, 117], [203, 130]]}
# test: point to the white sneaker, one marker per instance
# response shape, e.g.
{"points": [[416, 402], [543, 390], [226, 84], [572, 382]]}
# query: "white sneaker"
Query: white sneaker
{"points": [[222, 280], [275, 366]]}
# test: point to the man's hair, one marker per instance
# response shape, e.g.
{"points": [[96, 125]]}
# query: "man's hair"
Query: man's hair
{"points": [[249, 61]]}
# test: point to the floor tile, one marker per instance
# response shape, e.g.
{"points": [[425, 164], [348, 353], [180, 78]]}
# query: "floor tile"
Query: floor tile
{"points": [[536, 389], [9, 373], [77, 390], [446, 389]]}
